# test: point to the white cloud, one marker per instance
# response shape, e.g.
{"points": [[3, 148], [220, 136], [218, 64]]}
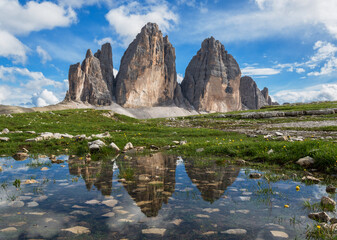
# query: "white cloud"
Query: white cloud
{"points": [[44, 98], [180, 77], [43, 54], [127, 20], [26, 84], [11, 47], [100, 42], [17, 19], [115, 72], [252, 71], [324, 60], [267, 18], [81, 3], [322, 92], [33, 16]]}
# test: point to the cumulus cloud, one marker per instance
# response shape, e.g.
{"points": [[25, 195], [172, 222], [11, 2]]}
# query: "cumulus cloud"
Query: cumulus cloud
{"points": [[253, 71], [322, 92], [265, 18], [81, 3], [43, 54], [11, 47], [27, 83], [17, 19], [127, 20], [44, 98], [100, 42]]}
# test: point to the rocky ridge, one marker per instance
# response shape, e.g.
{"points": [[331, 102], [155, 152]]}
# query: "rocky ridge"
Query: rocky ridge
{"points": [[251, 96]]}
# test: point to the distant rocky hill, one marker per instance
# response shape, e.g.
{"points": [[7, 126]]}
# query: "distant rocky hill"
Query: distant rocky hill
{"points": [[147, 78]]}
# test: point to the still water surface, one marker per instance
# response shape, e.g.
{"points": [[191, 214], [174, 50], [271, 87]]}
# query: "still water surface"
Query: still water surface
{"points": [[148, 197]]}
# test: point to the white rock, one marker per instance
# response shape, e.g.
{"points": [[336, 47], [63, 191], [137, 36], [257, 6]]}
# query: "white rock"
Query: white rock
{"points": [[92, 202], [77, 230], [9, 229], [154, 231], [235, 231], [110, 203], [4, 139], [32, 204], [306, 161], [279, 234], [5, 131], [114, 146], [110, 214], [17, 204], [128, 146]]}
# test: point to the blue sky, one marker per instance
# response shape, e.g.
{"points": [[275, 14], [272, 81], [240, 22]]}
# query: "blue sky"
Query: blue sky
{"points": [[289, 46]]}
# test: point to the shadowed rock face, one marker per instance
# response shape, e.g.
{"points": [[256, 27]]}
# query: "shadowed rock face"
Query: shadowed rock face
{"points": [[212, 79], [265, 93], [251, 96], [150, 180], [147, 75], [92, 81], [213, 180]]}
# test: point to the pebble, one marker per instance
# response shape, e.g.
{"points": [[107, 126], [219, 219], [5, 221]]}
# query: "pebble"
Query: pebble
{"points": [[9, 229], [32, 204], [279, 234]]}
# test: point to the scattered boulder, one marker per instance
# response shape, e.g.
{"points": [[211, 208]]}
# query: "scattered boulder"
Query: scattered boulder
{"points": [[114, 146], [320, 217], [20, 156], [95, 146], [326, 201], [306, 161], [5, 131], [4, 139], [128, 147]]}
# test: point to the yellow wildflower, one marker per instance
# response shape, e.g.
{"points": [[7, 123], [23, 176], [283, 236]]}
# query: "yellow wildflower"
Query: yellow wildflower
{"points": [[286, 206], [297, 188]]}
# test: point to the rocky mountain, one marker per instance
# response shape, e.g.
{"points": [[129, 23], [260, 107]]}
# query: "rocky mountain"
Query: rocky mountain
{"points": [[92, 81], [251, 96], [212, 79], [147, 76]]}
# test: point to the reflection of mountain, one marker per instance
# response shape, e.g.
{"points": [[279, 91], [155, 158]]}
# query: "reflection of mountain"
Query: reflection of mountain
{"points": [[150, 180], [211, 179], [97, 173]]}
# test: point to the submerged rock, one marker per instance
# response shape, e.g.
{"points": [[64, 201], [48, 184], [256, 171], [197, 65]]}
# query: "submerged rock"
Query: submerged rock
{"points": [[9, 229], [154, 231], [279, 234], [235, 231], [77, 230]]}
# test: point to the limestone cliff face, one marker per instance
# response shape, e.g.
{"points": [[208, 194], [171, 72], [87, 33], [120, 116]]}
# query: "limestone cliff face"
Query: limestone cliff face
{"points": [[212, 79], [251, 96], [92, 81], [147, 75]]}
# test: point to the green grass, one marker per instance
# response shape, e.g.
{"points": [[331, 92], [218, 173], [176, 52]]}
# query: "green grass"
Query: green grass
{"points": [[217, 142]]}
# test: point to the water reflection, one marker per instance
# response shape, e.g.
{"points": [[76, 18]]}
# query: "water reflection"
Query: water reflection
{"points": [[149, 180], [94, 173], [211, 179]]}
